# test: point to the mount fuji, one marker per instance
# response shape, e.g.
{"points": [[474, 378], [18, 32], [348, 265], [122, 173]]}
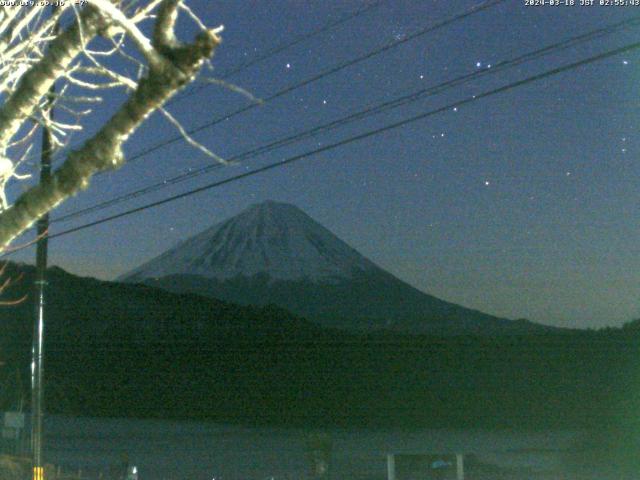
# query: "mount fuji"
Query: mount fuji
{"points": [[274, 253], [276, 239]]}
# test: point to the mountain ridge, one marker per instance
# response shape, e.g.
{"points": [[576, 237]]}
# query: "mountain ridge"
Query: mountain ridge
{"points": [[275, 253], [117, 349], [270, 236]]}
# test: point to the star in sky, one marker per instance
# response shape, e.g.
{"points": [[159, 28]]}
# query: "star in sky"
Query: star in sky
{"points": [[399, 35], [493, 143]]}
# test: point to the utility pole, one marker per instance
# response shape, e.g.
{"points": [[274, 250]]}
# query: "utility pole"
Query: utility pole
{"points": [[37, 352], [37, 362]]}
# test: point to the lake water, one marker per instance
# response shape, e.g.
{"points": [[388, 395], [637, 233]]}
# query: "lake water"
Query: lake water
{"points": [[178, 450]]}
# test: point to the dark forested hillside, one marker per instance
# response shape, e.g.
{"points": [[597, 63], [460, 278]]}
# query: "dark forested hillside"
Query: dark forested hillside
{"points": [[130, 350]]}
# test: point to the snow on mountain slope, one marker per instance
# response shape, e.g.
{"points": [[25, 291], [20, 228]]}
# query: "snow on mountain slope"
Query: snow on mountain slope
{"points": [[273, 253], [272, 238]]}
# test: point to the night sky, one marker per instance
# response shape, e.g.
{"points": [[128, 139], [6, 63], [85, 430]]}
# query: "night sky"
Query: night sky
{"points": [[523, 204]]}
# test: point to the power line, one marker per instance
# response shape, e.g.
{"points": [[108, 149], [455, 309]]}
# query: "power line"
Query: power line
{"points": [[455, 18], [460, 16], [280, 48], [362, 136], [394, 103]]}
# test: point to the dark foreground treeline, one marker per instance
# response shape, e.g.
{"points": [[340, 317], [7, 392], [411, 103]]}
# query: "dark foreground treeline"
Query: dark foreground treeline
{"points": [[325, 379], [130, 350]]}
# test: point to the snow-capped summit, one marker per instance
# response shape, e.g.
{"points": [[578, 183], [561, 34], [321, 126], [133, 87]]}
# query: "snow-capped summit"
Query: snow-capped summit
{"points": [[273, 253], [272, 238]]}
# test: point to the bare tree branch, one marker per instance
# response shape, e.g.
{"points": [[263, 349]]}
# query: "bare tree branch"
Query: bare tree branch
{"points": [[172, 66], [36, 82]]}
